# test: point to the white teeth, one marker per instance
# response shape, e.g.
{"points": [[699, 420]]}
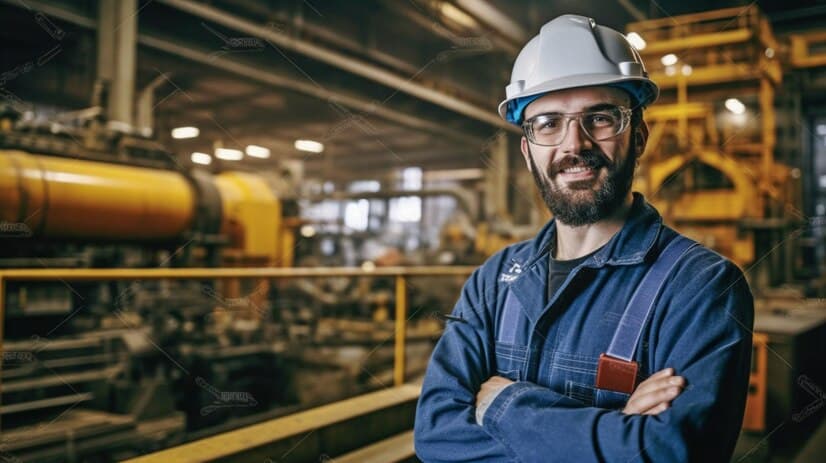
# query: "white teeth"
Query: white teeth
{"points": [[575, 170]]}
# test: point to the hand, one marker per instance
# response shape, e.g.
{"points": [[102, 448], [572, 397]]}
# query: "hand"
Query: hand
{"points": [[490, 386], [654, 395]]}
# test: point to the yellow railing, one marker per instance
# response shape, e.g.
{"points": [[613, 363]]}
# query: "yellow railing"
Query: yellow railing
{"points": [[400, 273]]}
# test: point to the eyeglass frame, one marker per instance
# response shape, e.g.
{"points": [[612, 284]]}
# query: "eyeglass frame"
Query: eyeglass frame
{"points": [[626, 112]]}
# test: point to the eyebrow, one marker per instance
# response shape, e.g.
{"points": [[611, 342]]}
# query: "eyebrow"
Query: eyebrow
{"points": [[595, 107], [599, 106]]}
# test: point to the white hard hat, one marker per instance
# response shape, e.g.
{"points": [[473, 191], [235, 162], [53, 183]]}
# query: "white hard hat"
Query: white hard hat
{"points": [[573, 51]]}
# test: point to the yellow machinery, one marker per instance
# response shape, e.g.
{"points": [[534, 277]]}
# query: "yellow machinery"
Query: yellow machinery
{"points": [[66, 198], [700, 61], [59, 197]]}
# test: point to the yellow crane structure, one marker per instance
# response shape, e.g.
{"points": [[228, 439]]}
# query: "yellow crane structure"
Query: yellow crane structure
{"points": [[710, 166]]}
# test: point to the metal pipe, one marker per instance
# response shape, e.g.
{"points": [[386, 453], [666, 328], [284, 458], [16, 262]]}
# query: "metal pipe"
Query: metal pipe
{"points": [[62, 197], [401, 331], [122, 93], [357, 67], [106, 41], [145, 120]]}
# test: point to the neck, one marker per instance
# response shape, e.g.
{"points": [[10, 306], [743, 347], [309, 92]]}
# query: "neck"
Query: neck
{"points": [[575, 242]]}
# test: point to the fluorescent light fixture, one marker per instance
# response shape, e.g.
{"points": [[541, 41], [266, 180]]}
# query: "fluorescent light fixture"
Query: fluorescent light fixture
{"points": [[309, 146], [686, 69], [201, 158], [307, 231], [185, 132], [821, 129], [258, 152], [669, 59], [457, 15], [229, 154], [636, 40], [736, 106]]}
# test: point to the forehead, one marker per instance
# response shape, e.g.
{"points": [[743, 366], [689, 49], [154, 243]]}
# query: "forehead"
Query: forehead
{"points": [[575, 100]]}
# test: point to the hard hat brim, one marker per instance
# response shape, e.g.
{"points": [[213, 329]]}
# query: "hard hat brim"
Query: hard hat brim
{"points": [[647, 90]]}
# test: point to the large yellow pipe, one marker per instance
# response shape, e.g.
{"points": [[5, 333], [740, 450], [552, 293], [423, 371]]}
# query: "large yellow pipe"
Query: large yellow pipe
{"points": [[69, 198]]}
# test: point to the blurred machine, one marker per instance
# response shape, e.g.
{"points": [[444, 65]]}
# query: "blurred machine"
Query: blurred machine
{"points": [[710, 166], [106, 368]]}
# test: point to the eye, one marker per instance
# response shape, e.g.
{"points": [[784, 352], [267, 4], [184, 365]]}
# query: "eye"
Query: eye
{"points": [[548, 123], [600, 119]]}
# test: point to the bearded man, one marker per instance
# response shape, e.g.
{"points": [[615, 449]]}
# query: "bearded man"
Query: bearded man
{"points": [[609, 336]]}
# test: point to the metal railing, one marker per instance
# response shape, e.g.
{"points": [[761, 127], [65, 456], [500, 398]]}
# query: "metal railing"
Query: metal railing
{"points": [[399, 273]]}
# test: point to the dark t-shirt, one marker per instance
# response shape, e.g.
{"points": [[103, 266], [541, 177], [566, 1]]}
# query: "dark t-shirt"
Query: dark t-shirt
{"points": [[559, 270]]}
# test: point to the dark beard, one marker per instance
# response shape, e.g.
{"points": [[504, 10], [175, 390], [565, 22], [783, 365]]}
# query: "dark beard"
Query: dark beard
{"points": [[579, 204]]}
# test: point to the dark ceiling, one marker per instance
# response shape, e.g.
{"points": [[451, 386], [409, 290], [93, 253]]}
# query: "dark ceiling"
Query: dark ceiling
{"points": [[243, 86]]}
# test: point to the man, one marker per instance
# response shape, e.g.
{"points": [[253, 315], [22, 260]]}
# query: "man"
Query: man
{"points": [[515, 375]]}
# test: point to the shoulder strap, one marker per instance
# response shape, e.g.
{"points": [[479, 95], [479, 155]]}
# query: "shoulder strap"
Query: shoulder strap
{"points": [[628, 333], [510, 319]]}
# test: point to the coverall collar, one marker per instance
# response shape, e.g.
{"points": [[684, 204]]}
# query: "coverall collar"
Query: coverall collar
{"points": [[629, 246]]}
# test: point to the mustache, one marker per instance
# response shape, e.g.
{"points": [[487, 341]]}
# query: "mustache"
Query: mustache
{"points": [[591, 158]]}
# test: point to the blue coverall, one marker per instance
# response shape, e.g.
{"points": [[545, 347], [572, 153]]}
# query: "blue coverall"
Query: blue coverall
{"points": [[701, 326]]}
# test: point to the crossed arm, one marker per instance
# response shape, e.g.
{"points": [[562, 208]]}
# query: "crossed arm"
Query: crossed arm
{"points": [[651, 397], [708, 342]]}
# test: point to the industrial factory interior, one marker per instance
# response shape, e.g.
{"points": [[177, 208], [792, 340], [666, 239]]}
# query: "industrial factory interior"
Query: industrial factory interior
{"points": [[235, 230]]}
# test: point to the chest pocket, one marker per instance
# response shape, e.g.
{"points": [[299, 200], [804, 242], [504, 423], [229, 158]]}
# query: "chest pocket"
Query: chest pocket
{"points": [[576, 375], [510, 360]]}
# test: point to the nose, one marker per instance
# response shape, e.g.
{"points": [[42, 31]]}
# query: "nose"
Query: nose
{"points": [[575, 138]]}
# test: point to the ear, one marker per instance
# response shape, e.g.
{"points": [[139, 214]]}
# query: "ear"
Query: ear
{"points": [[640, 138], [525, 153]]}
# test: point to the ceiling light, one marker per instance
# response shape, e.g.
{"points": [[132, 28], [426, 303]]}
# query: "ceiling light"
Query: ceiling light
{"points": [[457, 15], [736, 106], [185, 132], [636, 40], [307, 231], [258, 152], [201, 158], [669, 59], [309, 145], [686, 70], [229, 154]]}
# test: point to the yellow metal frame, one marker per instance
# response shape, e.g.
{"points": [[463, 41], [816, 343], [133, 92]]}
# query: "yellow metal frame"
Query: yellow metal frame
{"points": [[400, 273], [225, 445], [801, 50]]}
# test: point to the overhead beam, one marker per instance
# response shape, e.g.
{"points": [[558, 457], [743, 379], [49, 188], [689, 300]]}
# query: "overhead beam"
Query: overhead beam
{"points": [[491, 16], [432, 26], [336, 99], [358, 67]]}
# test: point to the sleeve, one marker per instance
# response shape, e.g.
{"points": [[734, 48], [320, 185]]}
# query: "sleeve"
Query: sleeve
{"points": [[445, 428], [705, 335]]}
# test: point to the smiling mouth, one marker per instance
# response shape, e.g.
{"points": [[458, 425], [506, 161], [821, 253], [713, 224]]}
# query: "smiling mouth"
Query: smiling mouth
{"points": [[577, 169]]}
